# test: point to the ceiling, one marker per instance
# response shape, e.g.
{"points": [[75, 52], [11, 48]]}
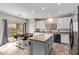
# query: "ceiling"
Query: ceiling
{"points": [[38, 10]]}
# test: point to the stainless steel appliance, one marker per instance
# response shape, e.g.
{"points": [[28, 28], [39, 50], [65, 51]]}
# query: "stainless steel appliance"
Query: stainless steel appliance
{"points": [[74, 34]]}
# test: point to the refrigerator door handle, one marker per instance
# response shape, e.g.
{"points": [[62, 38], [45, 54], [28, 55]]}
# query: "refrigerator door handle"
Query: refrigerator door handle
{"points": [[71, 35]]}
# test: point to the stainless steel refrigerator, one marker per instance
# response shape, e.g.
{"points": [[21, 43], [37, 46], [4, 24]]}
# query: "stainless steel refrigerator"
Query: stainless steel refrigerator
{"points": [[74, 34]]}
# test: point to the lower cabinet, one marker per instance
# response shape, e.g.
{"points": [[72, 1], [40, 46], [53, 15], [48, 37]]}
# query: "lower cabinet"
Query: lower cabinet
{"points": [[61, 38], [65, 38]]}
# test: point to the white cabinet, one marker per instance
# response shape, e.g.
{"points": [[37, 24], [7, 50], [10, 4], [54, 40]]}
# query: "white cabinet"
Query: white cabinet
{"points": [[63, 23], [65, 38], [40, 24]]}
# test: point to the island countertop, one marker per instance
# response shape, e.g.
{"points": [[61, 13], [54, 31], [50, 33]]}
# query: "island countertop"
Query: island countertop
{"points": [[41, 37]]}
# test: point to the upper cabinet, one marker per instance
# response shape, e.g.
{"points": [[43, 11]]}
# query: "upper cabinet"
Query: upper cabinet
{"points": [[52, 26], [47, 24], [40, 24], [63, 23]]}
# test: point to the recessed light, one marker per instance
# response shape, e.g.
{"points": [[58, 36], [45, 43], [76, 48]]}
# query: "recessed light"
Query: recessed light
{"points": [[58, 3], [59, 12], [32, 11], [24, 13], [50, 19], [43, 8]]}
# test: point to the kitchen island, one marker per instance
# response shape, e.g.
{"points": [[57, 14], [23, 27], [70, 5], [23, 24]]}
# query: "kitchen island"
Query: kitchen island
{"points": [[41, 44]]}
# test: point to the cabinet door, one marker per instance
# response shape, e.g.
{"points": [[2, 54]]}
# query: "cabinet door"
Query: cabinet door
{"points": [[65, 38], [49, 42], [38, 48]]}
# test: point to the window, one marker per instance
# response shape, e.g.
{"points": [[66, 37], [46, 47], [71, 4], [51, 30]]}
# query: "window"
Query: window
{"points": [[13, 29]]}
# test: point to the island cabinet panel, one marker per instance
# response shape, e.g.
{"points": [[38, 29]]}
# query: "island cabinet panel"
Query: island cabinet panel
{"points": [[37, 48], [41, 47], [50, 44]]}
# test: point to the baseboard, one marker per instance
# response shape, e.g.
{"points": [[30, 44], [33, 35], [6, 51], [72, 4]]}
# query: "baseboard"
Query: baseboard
{"points": [[62, 43], [65, 43]]}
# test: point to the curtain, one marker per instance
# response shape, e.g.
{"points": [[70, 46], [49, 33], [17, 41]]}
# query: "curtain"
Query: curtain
{"points": [[24, 28], [5, 33]]}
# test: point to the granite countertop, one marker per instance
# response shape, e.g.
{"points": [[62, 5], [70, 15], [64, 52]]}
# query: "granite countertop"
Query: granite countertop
{"points": [[55, 32], [41, 37], [61, 31]]}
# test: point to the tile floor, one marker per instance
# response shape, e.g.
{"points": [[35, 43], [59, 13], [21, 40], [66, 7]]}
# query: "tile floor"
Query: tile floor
{"points": [[11, 49], [60, 49]]}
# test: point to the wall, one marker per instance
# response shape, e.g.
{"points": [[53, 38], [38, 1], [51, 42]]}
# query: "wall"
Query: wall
{"points": [[31, 25], [1, 31]]}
